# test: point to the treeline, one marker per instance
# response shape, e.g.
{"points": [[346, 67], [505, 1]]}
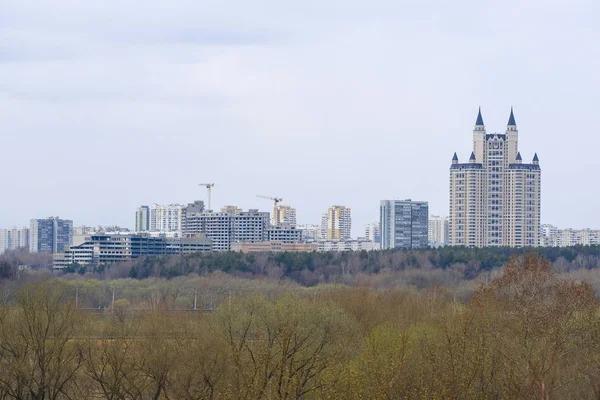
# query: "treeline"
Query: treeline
{"points": [[315, 268], [528, 334]]}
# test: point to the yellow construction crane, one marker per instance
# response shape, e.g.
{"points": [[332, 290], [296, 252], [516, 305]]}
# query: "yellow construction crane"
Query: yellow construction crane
{"points": [[209, 187]]}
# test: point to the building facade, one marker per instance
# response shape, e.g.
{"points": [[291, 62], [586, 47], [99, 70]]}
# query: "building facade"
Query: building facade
{"points": [[52, 234], [372, 232], [438, 230], [230, 225], [495, 197], [348, 245], [142, 219], [404, 224], [284, 234], [274, 247], [555, 237], [337, 223], [13, 238], [310, 233], [106, 249], [166, 218], [284, 215]]}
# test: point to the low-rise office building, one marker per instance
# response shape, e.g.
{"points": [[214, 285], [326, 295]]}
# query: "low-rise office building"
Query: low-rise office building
{"points": [[106, 249], [348, 245], [275, 247]]}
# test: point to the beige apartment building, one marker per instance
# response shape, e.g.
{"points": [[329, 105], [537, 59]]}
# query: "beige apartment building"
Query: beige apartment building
{"points": [[337, 223], [495, 197], [284, 215]]}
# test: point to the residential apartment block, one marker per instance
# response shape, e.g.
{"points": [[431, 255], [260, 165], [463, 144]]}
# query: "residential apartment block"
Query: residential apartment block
{"points": [[52, 234], [372, 232], [554, 237], [404, 224], [13, 238], [438, 231], [495, 197], [284, 215], [284, 234], [229, 225], [166, 218], [142, 219], [337, 223]]}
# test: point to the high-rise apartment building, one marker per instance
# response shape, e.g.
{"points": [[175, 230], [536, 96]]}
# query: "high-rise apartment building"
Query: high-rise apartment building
{"points": [[284, 215], [166, 218], [51, 234], [142, 219], [404, 224], [495, 197], [13, 238], [230, 225], [438, 230], [373, 232], [337, 223]]}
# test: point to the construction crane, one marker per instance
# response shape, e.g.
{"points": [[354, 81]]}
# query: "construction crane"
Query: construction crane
{"points": [[209, 187], [276, 201]]}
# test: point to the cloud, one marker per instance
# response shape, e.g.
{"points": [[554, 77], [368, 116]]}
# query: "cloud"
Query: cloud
{"points": [[319, 102]]}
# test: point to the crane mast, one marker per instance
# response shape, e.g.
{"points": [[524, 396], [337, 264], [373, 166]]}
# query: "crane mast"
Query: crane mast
{"points": [[208, 187]]}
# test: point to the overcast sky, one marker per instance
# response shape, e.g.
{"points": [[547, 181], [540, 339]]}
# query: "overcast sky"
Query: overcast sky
{"points": [[106, 105]]}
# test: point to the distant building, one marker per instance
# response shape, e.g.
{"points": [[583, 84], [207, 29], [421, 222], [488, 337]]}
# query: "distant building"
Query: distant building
{"points": [[13, 238], [554, 237], [284, 234], [83, 230], [106, 249], [284, 215], [373, 232], [404, 224], [310, 233], [275, 247], [51, 234], [230, 225], [142, 219], [438, 231], [495, 197], [348, 245], [166, 218], [337, 223]]}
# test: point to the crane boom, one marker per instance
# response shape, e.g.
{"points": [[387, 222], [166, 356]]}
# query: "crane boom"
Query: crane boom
{"points": [[275, 199]]}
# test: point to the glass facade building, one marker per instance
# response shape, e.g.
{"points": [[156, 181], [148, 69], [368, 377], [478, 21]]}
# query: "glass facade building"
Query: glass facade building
{"points": [[404, 224]]}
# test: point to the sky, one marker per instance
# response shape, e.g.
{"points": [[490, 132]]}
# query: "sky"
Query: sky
{"points": [[107, 105]]}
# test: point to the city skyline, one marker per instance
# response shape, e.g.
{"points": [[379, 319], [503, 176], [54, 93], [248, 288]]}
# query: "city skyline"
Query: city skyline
{"points": [[259, 101]]}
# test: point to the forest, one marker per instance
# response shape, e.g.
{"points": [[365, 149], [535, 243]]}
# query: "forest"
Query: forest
{"points": [[309, 269], [529, 332]]}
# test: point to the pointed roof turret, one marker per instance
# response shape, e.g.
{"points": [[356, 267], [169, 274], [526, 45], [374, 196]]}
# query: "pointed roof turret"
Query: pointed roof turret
{"points": [[511, 119], [472, 158], [519, 156], [535, 159], [479, 121], [455, 159]]}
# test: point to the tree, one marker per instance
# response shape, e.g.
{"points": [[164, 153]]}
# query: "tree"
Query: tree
{"points": [[40, 356]]}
